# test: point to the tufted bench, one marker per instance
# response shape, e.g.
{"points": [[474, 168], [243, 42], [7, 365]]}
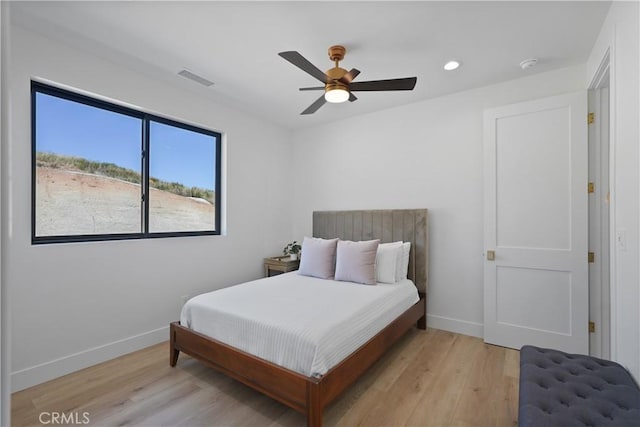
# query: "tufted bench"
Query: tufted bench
{"points": [[560, 389]]}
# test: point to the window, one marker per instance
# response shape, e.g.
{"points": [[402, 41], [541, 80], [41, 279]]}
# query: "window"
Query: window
{"points": [[105, 172]]}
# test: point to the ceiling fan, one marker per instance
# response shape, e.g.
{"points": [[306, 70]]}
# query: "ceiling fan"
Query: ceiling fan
{"points": [[338, 82]]}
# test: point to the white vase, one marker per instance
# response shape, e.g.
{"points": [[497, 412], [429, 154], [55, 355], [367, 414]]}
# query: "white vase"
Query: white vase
{"points": [[293, 257]]}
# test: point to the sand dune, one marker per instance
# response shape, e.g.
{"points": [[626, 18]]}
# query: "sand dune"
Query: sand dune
{"points": [[69, 202]]}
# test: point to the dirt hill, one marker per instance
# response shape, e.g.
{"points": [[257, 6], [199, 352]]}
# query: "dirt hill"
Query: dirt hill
{"points": [[69, 202]]}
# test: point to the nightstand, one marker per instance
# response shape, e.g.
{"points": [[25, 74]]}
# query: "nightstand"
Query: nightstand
{"points": [[279, 265]]}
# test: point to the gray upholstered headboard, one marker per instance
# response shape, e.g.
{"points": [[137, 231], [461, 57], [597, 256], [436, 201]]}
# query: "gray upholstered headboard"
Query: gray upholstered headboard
{"points": [[409, 225]]}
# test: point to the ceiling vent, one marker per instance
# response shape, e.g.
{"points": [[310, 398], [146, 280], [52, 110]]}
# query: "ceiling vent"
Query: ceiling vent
{"points": [[196, 78]]}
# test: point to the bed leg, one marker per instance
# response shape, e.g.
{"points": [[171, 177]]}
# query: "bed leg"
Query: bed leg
{"points": [[422, 322], [314, 408], [173, 353], [173, 357]]}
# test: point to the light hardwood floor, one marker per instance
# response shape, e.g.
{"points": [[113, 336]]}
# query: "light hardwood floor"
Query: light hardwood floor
{"points": [[429, 378]]}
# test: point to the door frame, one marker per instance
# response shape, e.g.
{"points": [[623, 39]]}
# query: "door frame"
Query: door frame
{"points": [[5, 338], [602, 273]]}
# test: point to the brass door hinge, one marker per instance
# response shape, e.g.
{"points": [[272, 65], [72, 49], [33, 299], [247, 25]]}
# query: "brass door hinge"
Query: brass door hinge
{"points": [[591, 117], [592, 327], [491, 255], [592, 257], [591, 187]]}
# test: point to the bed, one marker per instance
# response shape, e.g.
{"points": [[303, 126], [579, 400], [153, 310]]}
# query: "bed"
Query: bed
{"points": [[309, 389]]}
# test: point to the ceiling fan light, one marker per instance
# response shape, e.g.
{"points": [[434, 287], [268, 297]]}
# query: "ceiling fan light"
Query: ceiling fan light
{"points": [[336, 96]]}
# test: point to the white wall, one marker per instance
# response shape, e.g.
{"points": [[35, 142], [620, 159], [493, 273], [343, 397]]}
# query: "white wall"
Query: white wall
{"points": [[620, 36], [74, 305], [422, 155]]}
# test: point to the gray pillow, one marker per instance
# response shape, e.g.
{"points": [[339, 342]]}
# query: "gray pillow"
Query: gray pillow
{"points": [[318, 257], [356, 261]]}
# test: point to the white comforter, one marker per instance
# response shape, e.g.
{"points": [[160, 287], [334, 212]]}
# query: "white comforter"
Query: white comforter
{"points": [[305, 324]]}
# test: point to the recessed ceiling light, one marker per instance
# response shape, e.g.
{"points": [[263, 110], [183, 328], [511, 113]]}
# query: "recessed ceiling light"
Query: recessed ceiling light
{"points": [[451, 65]]}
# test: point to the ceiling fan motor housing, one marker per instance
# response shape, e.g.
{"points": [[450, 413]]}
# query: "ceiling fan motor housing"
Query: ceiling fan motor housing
{"points": [[336, 54], [334, 75]]}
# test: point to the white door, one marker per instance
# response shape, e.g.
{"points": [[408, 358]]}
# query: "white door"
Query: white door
{"points": [[536, 290]]}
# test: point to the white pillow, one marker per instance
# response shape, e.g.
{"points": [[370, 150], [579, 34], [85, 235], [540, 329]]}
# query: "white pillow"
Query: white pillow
{"points": [[406, 249], [389, 262], [318, 257], [356, 261]]}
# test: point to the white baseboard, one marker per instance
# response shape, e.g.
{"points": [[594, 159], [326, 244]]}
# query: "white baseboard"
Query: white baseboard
{"points": [[43, 372], [458, 326]]}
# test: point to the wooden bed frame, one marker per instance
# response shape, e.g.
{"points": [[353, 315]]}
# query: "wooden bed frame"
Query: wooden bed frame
{"points": [[310, 395]]}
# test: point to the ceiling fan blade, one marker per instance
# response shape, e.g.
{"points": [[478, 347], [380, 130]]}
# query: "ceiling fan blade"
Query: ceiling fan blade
{"points": [[348, 78], [301, 62], [407, 83], [352, 97], [314, 107]]}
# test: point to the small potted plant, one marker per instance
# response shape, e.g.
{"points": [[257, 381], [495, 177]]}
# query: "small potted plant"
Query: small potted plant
{"points": [[293, 250]]}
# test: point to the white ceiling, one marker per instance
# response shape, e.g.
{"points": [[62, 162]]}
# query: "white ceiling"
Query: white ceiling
{"points": [[235, 44]]}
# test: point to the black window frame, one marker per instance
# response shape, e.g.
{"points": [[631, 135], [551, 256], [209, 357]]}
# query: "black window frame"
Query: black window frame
{"points": [[146, 119]]}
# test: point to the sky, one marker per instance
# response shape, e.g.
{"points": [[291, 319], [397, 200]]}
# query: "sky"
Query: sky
{"points": [[74, 129]]}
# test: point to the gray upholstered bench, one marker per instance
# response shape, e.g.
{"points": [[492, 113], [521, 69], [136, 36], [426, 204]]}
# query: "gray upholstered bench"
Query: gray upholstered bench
{"points": [[560, 389]]}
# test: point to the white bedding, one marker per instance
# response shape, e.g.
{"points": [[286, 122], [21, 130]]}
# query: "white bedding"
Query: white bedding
{"points": [[302, 323]]}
